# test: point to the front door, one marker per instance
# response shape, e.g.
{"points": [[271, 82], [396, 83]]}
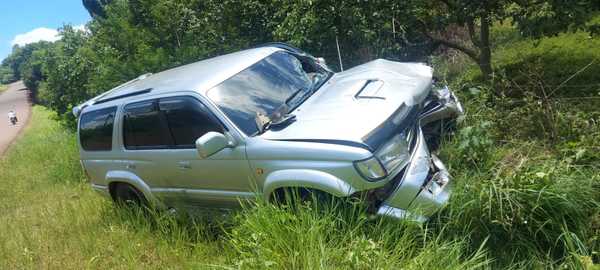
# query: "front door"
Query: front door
{"points": [[219, 180], [148, 151]]}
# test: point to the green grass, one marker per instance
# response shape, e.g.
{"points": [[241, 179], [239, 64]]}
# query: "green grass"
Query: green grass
{"points": [[516, 205], [3, 87]]}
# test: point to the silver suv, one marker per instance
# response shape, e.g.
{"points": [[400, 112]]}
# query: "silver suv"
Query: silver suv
{"points": [[265, 120]]}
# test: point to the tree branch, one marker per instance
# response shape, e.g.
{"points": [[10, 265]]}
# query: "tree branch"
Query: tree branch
{"points": [[472, 35], [454, 45], [473, 54]]}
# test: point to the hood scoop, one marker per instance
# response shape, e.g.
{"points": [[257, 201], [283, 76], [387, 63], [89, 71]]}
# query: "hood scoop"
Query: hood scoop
{"points": [[370, 90]]}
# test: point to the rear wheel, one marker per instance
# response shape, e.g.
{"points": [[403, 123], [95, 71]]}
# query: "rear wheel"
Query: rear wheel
{"points": [[128, 196]]}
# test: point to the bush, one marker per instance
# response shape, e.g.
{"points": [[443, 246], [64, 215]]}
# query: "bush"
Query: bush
{"points": [[525, 211]]}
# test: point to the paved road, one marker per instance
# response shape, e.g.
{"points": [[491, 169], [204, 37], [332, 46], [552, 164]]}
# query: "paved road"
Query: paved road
{"points": [[14, 98]]}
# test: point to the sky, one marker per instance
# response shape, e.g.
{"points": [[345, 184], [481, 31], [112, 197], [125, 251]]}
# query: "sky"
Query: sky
{"points": [[26, 21]]}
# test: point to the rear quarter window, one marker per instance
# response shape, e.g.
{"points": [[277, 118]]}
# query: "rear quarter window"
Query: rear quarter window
{"points": [[96, 129]]}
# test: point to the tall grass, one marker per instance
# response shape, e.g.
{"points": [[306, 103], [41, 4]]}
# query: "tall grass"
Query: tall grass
{"points": [[514, 207], [50, 219]]}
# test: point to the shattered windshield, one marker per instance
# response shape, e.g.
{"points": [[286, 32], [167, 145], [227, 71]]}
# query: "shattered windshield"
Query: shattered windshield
{"points": [[253, 97]]}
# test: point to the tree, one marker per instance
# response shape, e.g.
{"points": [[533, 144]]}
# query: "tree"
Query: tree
{"points": [[31, 71], [364, 30], [66, 70], [20, 55], [449, 22], [6, 75], [96, 7]]}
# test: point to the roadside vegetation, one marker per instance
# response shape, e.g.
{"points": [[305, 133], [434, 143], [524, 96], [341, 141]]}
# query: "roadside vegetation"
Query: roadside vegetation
{"points": [[517, 205], [525, 159], [3, 87]]}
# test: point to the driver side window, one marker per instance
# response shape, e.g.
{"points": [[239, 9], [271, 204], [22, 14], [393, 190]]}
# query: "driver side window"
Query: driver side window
{"points": [[188, 119]]}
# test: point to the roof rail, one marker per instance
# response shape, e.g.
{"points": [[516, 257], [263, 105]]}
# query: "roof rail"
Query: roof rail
{"points": [[98, 99], [130, 94], [139, 78]]}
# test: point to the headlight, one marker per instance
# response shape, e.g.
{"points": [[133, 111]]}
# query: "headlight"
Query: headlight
{"points": [[371, 169], [395, 152]]}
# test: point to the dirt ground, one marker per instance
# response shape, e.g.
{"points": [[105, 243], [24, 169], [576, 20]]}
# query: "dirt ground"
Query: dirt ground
{"points": [[15, 98]]}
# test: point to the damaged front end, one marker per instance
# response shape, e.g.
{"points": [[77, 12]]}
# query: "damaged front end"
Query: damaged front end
{"points": [[423, 186]]}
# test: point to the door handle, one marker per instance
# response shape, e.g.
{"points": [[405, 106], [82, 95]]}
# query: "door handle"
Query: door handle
{"points": [[184, 165]]}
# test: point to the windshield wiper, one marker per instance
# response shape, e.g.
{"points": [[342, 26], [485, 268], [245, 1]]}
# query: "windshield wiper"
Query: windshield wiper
{"points": [[293, 95], [262, 123], [266, 124], [288, 102]]}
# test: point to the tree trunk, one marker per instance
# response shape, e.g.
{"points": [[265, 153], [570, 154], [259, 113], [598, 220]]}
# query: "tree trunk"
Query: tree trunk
{"points": [[485, 50]]}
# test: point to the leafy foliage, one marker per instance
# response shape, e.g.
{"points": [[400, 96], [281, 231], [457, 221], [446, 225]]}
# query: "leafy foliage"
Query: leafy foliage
{"points": [[363, 31], [465, 25], [525, 163], [127, 38]]}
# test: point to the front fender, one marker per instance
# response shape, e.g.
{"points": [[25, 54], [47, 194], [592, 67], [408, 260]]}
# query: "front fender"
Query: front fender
{"points": [[307, 179], [135, 181]]}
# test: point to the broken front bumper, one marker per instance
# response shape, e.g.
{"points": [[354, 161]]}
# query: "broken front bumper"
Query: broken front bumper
{"points": [[423, 188]]}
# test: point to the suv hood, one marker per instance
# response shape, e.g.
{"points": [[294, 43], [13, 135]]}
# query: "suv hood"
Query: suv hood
{"points": [[354, 103]]}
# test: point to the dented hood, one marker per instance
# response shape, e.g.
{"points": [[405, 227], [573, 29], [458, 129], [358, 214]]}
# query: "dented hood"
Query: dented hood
{"points": [[355, 102]]}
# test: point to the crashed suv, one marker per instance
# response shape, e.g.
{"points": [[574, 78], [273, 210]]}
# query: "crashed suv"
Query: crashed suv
{"points": [[268, 119]]}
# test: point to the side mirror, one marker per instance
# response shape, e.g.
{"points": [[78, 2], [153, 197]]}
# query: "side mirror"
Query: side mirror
{"points": [[211, 143]]}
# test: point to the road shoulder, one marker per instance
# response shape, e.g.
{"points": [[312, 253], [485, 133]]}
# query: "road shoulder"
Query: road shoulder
{"points": [[16, 98]]}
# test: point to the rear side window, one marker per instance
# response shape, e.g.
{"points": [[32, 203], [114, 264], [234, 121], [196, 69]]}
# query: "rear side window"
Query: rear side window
{"points": [[145, 127], [188, 120], [96, 129]]}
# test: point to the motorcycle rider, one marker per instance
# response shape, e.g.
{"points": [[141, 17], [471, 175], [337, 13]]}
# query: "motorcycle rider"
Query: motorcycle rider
{"points": [[12, 117]]}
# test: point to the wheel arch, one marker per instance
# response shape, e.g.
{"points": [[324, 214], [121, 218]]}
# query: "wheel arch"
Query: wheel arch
{"points": [[308, 179], [114, 178]]}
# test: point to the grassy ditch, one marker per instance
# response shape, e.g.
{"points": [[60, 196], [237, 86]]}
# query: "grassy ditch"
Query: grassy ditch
{"points": [[516, 205]]}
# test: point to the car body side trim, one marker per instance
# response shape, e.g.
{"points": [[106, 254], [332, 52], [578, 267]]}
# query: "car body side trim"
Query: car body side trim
{"points": [[207, 192]]}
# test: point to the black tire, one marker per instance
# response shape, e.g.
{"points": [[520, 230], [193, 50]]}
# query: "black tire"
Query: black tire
{"points": [[294, 196], [128, 196]]}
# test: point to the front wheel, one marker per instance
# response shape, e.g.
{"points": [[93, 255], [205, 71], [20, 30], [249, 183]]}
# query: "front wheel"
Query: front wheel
{"points": [[294, 197]]}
